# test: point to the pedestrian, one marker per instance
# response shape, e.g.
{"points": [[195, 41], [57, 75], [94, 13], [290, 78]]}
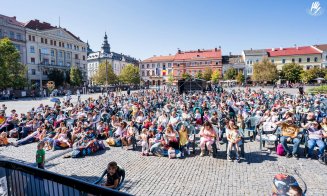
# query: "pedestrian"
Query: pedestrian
{"points": [[40, 155], [128, 91]]}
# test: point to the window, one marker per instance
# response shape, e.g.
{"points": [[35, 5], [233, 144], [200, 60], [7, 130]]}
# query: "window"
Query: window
{"points": [[32, 49], [63, 45], [148, 73], [250, 62], [153, 65], [0, 33], [33, 38], [326, 57], [18, 36], [52, 62], [257, 60], [83, 58], [272, 60], [152, 73], [46, 61], [59, 44], [33, 71], [143, 66], [316, 59], [300, 60], [247, 62], [29, 37], [33, 60], [41, 39], [169, 65], [17, 47], [143, 73], [283, 61], [293, 60], [148, 66], [55, 43], [52, 52], [51, 42], [217, 63], [11, 35], [46, 41], [68, 55], [308, 60], [60, 63], [60, 54], [76, 56]]}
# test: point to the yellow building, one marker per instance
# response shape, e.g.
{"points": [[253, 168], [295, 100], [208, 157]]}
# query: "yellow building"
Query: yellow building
{"points": [[307, 56]]}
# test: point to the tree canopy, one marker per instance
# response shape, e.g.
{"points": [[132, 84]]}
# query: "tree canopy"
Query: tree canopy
{"points": [[230, 74], [207, 74], [100, 76], [186, 76], [292, 72], [12, 72], [264, 71], [130, 74], [57, 76], [240, 77], [312, 74], [76, 77], [170, 79], [216, 75]]}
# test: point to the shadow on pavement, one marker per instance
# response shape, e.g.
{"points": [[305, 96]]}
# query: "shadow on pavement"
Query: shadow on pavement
{"points": [[258, 157]]}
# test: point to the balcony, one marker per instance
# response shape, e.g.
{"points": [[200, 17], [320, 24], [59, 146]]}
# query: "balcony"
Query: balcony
{"points": [[47, 65]]}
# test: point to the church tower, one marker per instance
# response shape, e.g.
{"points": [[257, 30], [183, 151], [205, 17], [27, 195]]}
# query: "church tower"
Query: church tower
{"points": [[105, 46]]}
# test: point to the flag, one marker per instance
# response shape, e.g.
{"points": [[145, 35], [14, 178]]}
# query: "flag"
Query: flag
{"points": [[164, 72]]}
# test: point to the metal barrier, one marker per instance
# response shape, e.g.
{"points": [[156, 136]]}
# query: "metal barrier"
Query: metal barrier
{"points": [[17, 179]]}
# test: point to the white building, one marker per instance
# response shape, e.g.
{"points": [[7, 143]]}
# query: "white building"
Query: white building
{"points": [[50, 47], [323, 49], [251, 57], [155, 70], [117, 61]]}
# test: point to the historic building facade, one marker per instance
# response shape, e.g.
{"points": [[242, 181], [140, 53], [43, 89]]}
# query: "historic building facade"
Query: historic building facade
{"points": [[15, 31], [155, 70], [323, 48], [50, 47], [234, 61], [250, 57], [307, 56], [192, 62], [117, 60]]}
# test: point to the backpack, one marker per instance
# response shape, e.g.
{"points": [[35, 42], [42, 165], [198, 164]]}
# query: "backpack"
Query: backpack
{"points": [[280, 150]]}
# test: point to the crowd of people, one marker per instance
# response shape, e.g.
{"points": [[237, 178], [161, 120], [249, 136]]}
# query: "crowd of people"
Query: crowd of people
{"points": [[165, 123]]}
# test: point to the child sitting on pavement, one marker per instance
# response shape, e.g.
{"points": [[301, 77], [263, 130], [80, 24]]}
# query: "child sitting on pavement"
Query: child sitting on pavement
{"points": [[112, 175]]}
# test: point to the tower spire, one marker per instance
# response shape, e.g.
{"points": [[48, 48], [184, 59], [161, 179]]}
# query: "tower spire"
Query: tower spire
{"points": [[105, 46]]}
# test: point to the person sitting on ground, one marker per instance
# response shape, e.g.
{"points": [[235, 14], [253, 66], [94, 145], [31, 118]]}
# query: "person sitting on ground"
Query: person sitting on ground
{"points": [[207, 138], [171, 137], [184, 141], [129, 134], [112, 176], [3, 139], [289, 133]]}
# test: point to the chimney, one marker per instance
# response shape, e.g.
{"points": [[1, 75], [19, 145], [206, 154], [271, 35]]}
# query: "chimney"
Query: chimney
{"points": [[154, 55], [281, 48], [230, 53], [219, 47], [179, 51], [198, 50], [273, 49], [14, 17], [296, 47], [251, 48], [169, 54], [215, 49]]}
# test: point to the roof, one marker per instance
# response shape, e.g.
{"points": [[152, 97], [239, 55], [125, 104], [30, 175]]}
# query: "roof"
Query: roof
{"points": [[12, 20], [322, 47], [37, 25], [198, 54], [159, 58], [292, 51], [258, 52]]}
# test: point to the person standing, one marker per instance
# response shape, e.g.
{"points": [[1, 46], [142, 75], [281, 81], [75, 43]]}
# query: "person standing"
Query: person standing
{"points": [[40, 155]]}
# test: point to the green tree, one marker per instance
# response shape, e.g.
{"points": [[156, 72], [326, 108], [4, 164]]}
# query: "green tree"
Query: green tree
{"points": [[230, 74], [216, 75], [57, 76], [207, 74], [199, 75], [292, 72], [100, 76], [264, 71], [12, 72], [130, 74], [240, 77], [76, 78], [170, 79], [186, 76], [312, 74]]}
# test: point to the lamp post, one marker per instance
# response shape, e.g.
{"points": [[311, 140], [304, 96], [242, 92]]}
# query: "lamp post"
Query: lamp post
{"points": [[106, 73]]}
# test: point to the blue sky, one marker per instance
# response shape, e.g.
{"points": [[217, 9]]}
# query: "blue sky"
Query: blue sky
{"points": [[143, 28]]}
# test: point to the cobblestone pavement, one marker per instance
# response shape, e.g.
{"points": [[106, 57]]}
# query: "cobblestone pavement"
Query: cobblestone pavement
{"points": [[190, 176]]}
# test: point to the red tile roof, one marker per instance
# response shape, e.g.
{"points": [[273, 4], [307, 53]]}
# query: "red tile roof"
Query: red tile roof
{"points": [[293, 51], [198, 54], [322, 47], [12, 20], [160, 58]]}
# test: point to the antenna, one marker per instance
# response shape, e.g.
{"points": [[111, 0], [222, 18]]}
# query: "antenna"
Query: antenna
{"points": [[59, 21]]}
